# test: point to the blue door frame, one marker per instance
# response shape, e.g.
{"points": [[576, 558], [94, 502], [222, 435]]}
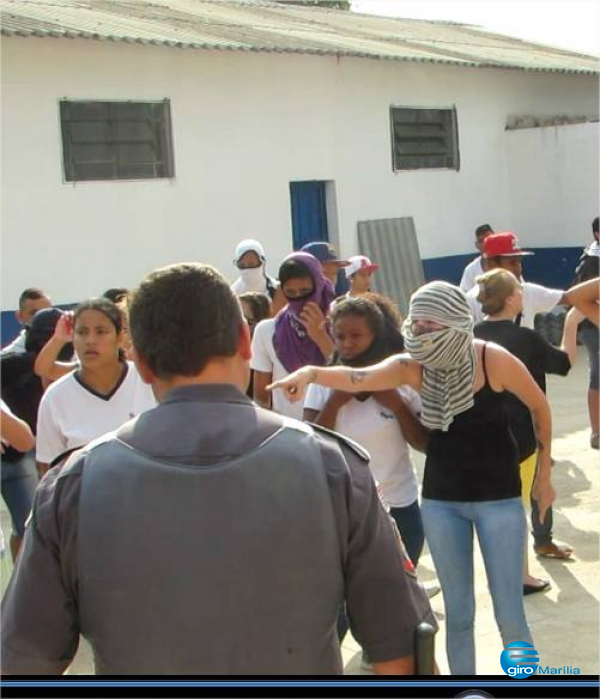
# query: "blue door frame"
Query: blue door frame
{"points": [[309, 212]]}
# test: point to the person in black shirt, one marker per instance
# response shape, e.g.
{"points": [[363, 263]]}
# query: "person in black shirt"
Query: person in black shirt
{"points": [[22, 392], [501, 298]]}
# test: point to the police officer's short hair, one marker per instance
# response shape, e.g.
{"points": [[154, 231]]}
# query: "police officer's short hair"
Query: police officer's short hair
{"points": [[183, 315]]}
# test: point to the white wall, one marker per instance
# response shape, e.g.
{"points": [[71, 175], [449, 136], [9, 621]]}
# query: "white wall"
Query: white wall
{"points": [[554, 183], [244, 126]]}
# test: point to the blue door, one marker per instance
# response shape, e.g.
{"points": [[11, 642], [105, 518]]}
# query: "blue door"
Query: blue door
{"points": [[309, 213]]}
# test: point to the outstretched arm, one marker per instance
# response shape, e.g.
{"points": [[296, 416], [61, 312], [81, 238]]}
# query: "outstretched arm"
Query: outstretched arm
{"points": [[585, 297], [569, 338], [391, 373]]}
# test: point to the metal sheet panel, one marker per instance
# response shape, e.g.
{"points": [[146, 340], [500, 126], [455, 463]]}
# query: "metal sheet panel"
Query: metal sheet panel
{"points": [[392, 243], [247, 25]]}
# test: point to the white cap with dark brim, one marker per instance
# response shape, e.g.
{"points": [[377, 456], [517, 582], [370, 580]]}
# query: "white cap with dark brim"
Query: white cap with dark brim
{"points": [[249, 245]]}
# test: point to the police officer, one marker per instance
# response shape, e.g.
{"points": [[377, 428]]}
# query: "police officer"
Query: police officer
{"points": [[207, 535]]}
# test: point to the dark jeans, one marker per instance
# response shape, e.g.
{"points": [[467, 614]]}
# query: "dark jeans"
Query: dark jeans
{"points": [[410, 525], [542, 531]]}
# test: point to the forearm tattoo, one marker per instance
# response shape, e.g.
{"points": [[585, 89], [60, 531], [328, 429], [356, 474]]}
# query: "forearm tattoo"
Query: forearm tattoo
{"points": [[357, 376]]}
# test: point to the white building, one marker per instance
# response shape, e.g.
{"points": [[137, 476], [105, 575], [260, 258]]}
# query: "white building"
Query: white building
{"points": [[251, 97]]}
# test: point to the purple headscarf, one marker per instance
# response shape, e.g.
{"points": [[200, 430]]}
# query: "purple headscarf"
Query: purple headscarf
{"points": [[291, 342]]}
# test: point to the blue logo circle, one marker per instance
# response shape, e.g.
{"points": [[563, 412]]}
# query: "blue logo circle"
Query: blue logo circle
{"points": [[519, 660]]}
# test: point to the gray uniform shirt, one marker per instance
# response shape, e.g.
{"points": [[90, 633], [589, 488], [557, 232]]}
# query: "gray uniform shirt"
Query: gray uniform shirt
{"points": [[40, 611]]}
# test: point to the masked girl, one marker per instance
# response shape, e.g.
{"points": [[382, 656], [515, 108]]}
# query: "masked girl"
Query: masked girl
{"points": [[471, 481]]}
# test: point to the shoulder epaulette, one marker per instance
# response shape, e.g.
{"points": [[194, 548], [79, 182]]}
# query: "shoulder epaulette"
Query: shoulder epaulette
{"points": [[359, 450]]}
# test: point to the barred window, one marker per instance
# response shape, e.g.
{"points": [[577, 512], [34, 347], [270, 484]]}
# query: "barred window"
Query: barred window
{"points": [[424, 138], [116, 140]]}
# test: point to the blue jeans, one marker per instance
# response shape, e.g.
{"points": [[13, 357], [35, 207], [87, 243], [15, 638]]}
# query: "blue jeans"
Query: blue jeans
{"points": [[500, 527], [19, 481]]}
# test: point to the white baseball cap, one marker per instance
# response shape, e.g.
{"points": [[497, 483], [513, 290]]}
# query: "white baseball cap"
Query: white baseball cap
{"points": [[249, 245], [360, 263]]}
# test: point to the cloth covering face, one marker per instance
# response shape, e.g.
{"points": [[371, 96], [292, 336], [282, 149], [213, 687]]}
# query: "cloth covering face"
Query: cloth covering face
{"points": [[252, 279], [447, 355], [291, 342]]}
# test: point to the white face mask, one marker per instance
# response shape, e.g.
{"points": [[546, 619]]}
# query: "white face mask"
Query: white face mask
{"points": [[254, 278]]}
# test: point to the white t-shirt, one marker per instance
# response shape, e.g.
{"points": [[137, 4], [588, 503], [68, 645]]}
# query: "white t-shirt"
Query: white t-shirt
{"points": [[17, 346], [8, 411], [472, 271], [264, 359], [376, 429], [536, 299], [72, 414]]}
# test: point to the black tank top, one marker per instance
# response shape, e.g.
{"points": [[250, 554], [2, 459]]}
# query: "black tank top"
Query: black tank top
{"points": [[477, 458]]}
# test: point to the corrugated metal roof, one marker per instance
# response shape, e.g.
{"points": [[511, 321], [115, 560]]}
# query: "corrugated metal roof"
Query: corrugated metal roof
{"points": [[258, 25]]}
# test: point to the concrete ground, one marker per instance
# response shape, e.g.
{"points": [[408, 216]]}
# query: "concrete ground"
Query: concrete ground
{"points": [[564, 620]]}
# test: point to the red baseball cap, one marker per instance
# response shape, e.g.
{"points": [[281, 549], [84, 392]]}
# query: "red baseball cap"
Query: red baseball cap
{"points": [[503, 245]]}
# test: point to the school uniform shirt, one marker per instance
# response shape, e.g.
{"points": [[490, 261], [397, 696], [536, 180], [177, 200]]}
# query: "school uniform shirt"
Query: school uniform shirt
{"points": [[5, 443], [472, 271], [377, 430], [265, 359], [536, 299], [17, 346], [73, 414]]}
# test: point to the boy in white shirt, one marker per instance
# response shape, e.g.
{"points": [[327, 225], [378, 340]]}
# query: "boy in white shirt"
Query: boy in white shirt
{"points": [[292, 339], [476, 267], [501, 250]]}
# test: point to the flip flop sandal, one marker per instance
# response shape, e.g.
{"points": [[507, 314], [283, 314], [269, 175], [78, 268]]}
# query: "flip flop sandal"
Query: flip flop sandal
{"points": [[532, 589], [558, 551]]}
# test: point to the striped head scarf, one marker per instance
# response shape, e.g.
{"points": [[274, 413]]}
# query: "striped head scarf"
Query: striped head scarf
{"points": [[447, 355]]}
